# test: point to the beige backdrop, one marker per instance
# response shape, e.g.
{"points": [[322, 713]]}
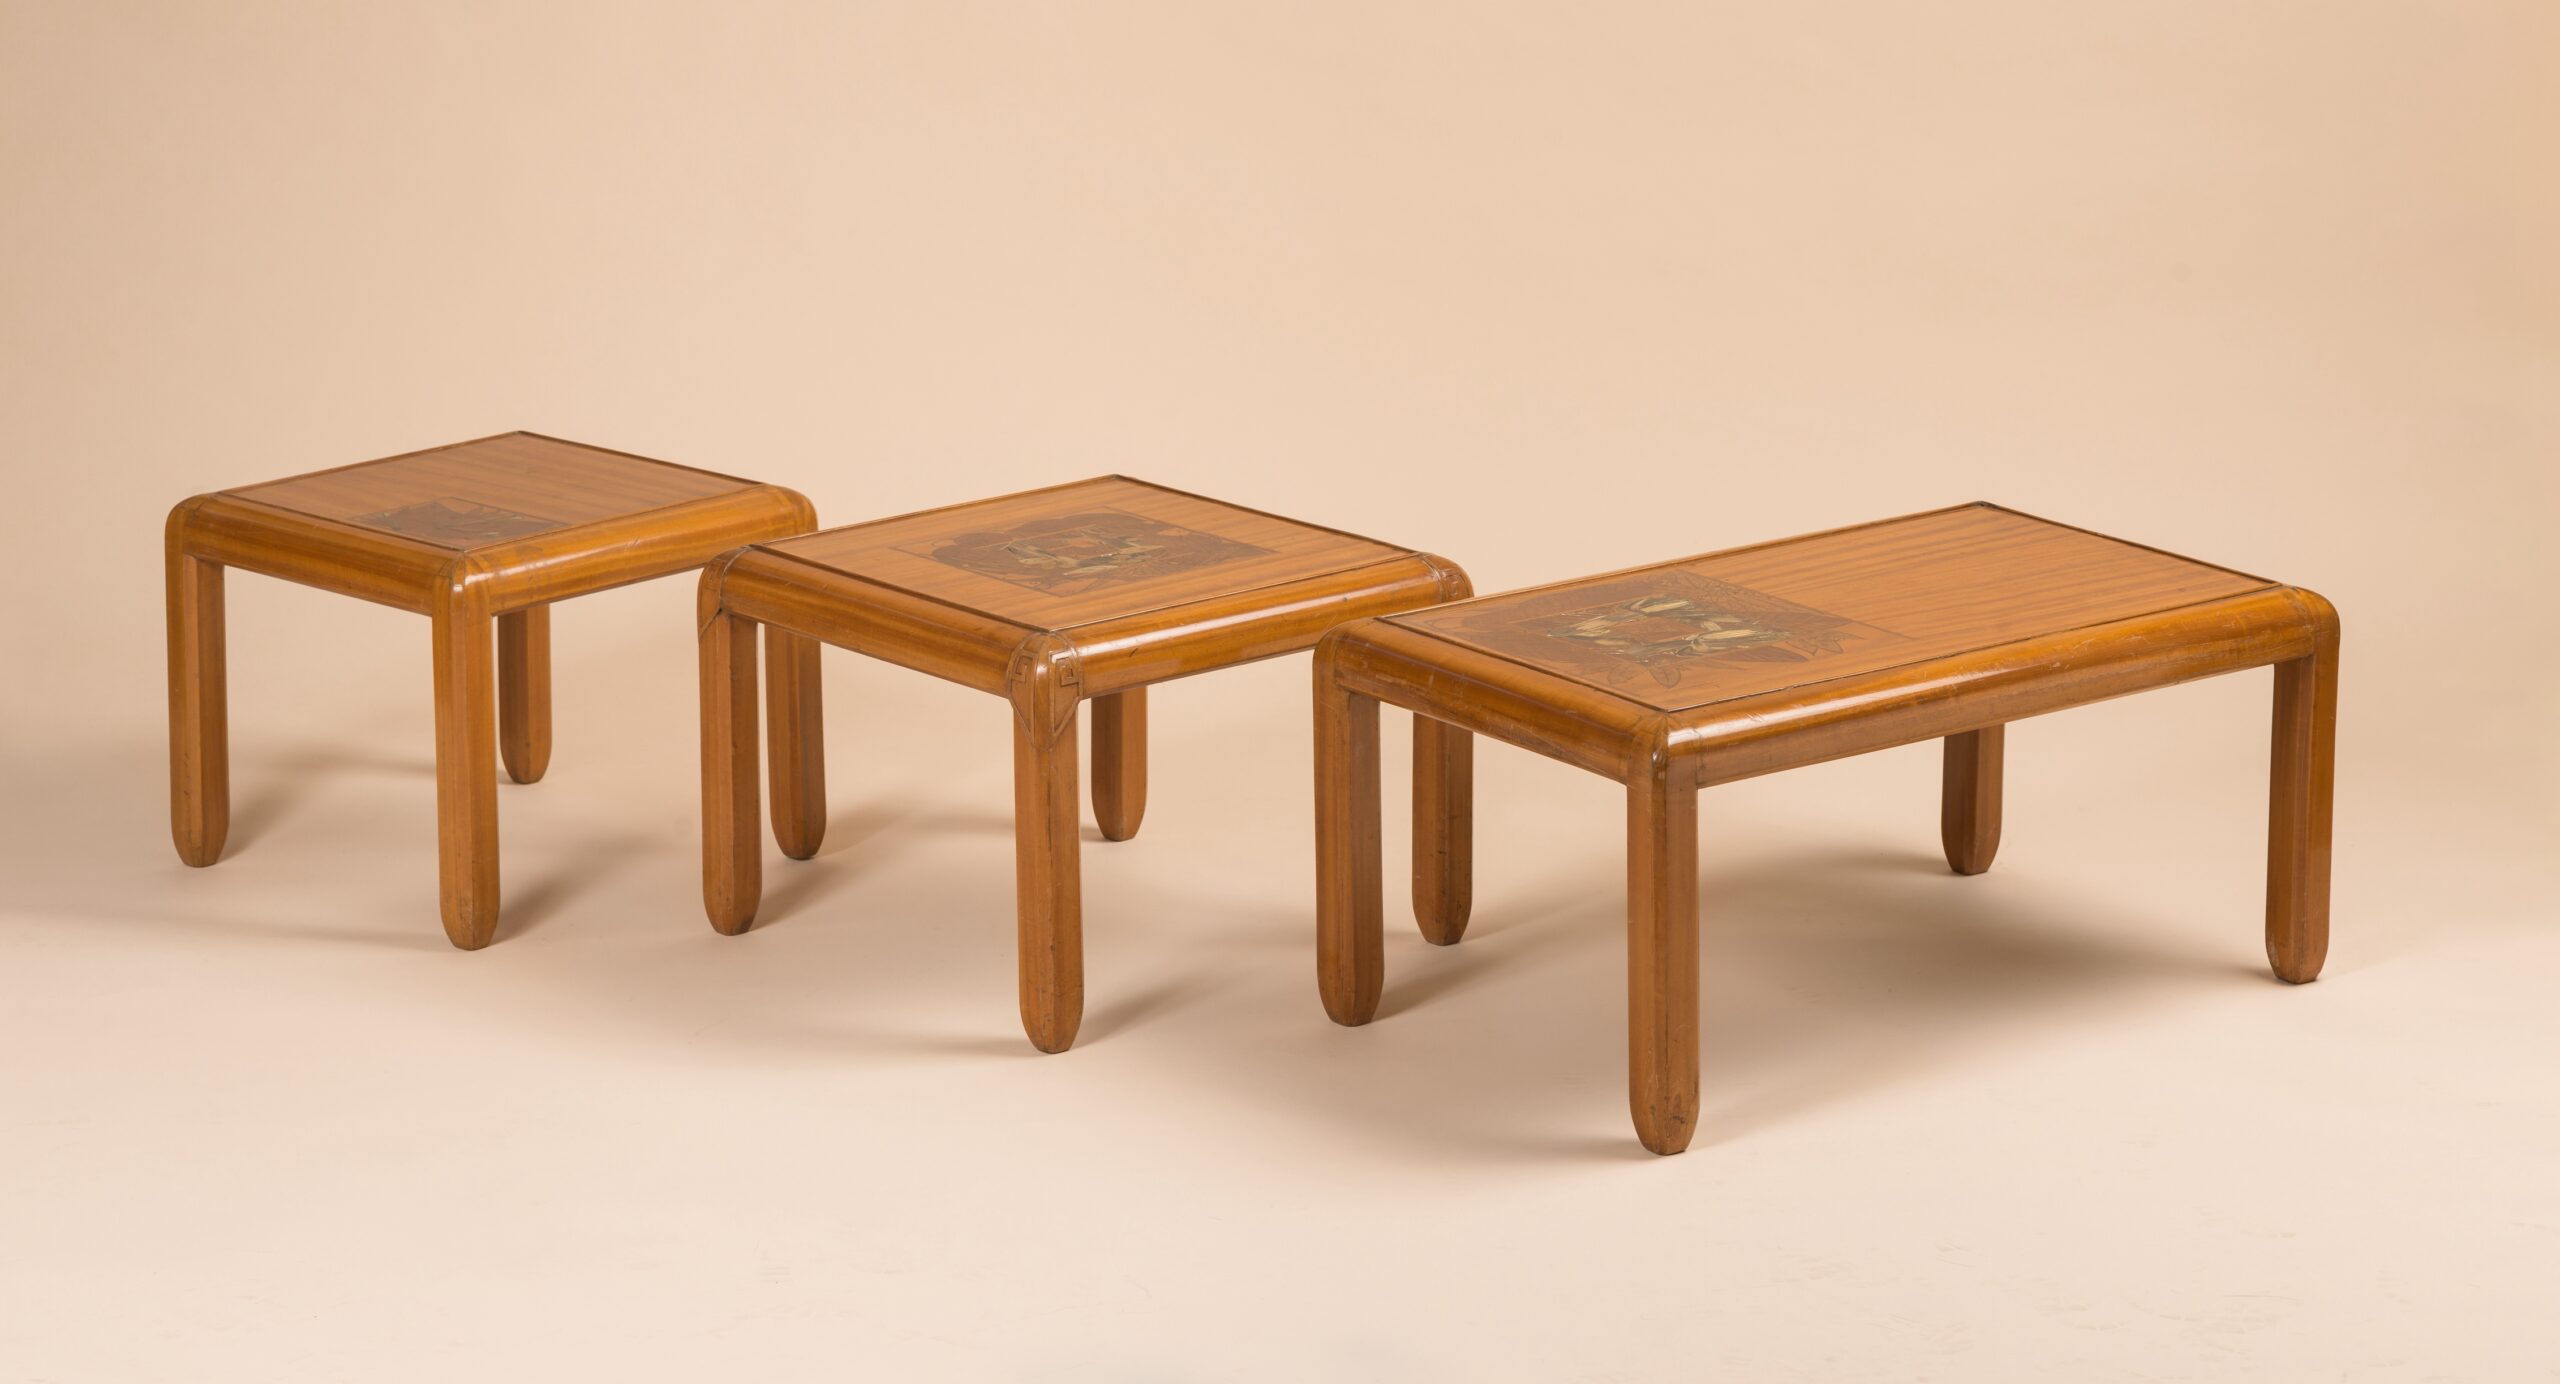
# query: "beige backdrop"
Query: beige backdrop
{"points": [[1542, 288]]}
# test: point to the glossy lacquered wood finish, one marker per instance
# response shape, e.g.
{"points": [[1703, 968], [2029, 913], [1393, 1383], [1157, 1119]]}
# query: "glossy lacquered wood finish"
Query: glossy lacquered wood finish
{"points": [[480, 537], [384, 568], [1444, 828], [797, 744], [1085, 593], [199, 715], [1719, 627], [466, 766], [1088, 553], [2302, 782], [524, 692], [1048, 873], [1120, 762], [1444, 822], [1350, 911], [1670, 678], [1900, 706], [732, 856], [1662, 961], [1969, 799]]}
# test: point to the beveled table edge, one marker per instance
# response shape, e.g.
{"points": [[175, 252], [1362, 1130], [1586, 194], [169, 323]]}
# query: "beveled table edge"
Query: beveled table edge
{"points": [[392, 569], [1659, 564], [241, 490], [1605, 732], [960, 643]]}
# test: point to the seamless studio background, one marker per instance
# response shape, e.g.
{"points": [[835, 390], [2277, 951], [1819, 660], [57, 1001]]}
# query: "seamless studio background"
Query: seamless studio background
{"points": [[1548, 289]]}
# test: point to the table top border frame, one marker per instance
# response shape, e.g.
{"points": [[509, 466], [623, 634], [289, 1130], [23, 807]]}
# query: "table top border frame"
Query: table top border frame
{"points": [[770, 584], [412, 574], [235, 491]]}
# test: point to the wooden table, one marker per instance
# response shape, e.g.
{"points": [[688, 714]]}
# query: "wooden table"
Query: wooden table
{"points": [[476, 535], [1672, 677], [1084, 592]]}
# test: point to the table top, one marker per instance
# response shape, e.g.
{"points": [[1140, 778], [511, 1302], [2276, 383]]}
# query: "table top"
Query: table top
{"points": [[495, 490], [1748, 621], [1086, 551]]}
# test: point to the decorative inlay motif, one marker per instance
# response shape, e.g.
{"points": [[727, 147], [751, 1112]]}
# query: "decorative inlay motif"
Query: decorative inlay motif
{"points": [[1074, 553], [455, 522], [1665, 626]]}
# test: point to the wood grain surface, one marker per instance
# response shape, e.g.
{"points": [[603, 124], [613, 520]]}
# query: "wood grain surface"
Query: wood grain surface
{"points": [[484, 492], [1088, 592], [481, 537], [1680, 675], [1088, 550], [1721, 626]]}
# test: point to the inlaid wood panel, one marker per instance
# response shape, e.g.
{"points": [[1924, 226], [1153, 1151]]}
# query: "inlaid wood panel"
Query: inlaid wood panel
{"points": [[495, 490], [1751, 621], [1678, 676], [1081, 594], [1093, 550]]}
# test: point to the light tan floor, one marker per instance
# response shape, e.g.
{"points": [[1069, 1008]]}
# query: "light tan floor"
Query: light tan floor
{"points": [[2053, 1120], [1548, 289]]}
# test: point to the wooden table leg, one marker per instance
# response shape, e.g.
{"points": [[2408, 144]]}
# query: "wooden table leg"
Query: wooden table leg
{"points": [[1048, 888], [1444, 806], [797, 743], [524, 692], [466, 766], [1350, 908], [1969, 802], [1120, 762], [199, 705], [1662, 962], [1444, 829], [732, 838], [2302, 783]]}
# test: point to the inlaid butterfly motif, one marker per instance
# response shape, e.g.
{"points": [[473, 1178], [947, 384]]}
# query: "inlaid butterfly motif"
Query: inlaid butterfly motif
{"points": [[1078, 552], [1664, 627]]}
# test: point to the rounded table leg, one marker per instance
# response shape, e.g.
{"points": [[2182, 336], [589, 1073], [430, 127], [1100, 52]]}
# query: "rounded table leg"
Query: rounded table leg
{"points": [[524, 692], [796, 743], [1120, 762], [1444, 829], [2302, 784], [199, 709], [1350, 926], [1048, 889], [732, 835], [1969, 802], [1662, 962], [466, 768]]}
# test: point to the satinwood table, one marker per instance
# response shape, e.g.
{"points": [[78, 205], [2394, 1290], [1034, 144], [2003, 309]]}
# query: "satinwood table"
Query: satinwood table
{"points": [[475, 535], [1709, 669], [1084, 592]]}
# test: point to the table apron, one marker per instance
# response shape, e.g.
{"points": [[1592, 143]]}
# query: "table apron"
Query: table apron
{"points": [[634, 548], [1875, 711], [330, 557], [1487, 708], [880, 622], [1228, 631]]}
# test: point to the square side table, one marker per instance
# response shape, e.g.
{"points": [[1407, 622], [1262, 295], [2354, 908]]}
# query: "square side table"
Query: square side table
{"points": [[1673, 677], [476, 536], [1053, 598]]}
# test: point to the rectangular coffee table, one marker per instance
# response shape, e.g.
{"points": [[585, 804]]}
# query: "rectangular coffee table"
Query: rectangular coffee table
{"points": [[1672, 677]]}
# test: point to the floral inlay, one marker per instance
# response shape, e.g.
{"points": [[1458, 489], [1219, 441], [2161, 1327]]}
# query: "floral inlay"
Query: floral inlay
{"points": [[455, 522], [1666, 627], [1073, 553]]}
